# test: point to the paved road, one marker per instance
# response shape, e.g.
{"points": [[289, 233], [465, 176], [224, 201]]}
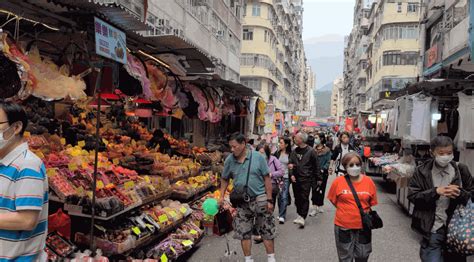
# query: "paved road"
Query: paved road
{"points": [[395, 242]]}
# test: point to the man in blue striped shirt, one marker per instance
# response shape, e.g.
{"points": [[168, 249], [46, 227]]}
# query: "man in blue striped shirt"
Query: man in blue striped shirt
{"points": [[23, 191]]}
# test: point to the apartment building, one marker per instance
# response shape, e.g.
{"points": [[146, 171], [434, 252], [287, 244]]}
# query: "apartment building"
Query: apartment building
{"points": [[337, 99], [382, 53], [446, 39], [213, 26], [272, 55]]}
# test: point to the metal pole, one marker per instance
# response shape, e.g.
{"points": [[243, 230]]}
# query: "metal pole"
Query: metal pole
{"points": [[96, 155]]}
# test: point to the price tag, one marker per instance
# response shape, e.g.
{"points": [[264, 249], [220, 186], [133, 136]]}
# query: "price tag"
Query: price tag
{"points": [[183, 210], [129, 185], [105, 141], [27, 134], [72, 166], [80, 190], [164, 258], [136, 230], [63, 141], [163, 218], [116, 161], [193, 232], [100, 184], [81, 144], [73, 208], [147, 179], [89, 194], [187, 243], [173, 214]]}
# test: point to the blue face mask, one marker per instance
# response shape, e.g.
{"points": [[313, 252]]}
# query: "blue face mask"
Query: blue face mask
{"points": [[317, 142]]}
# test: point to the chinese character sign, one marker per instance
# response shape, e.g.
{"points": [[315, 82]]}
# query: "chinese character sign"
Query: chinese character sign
{"points": [[109, 41]]}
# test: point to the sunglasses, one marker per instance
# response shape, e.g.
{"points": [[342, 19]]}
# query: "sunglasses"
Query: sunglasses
{"points": [[352, 165]]}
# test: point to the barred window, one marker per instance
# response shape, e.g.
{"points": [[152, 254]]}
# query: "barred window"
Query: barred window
{"points": [[247, 34]]}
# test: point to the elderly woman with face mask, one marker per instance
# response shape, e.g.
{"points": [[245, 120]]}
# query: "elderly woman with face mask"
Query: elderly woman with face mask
{"points": [[353, 242]]}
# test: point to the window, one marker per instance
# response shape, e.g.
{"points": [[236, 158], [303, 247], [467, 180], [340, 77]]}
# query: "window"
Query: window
{"points": [[253, 83], [399, 7], [256, 9], [412, 8], [400, 58], [265, 36], [395, 32], [244, 9], [248, 34]]}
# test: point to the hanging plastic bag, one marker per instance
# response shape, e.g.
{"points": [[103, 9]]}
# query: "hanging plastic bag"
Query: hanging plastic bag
{"points": [[61, 223]]}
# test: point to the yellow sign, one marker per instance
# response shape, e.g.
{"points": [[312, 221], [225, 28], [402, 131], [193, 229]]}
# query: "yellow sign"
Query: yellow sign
{"points": [[193, 232], [173, 214], [81, 143], [72, 166], [163, 218], [183, 210], [63, 141], [187, 243], [51, 172], [147, 179], [116, 161], [136, 230], [387, 94], [100, 184], [129, 185], [164, 258]]}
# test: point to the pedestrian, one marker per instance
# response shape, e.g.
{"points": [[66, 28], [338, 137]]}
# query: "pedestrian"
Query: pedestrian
{"points": [[339, 152], [353, 242], [283, 155], [304, 169], [438, 186], [23, 190], [318, 194], [251, 178], [276, 173]]}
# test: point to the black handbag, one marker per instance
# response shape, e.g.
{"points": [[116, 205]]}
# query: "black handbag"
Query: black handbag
{"points": [[370, 220], [239, 196]]}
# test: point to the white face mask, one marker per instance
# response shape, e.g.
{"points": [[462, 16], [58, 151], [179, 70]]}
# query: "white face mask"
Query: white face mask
{"points": [[443, 161], [3, 141], [354, 171]]}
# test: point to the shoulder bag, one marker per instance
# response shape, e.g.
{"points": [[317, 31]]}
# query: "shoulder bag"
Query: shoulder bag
{"points": [[460, 238], [239, 196], [370, 220]]}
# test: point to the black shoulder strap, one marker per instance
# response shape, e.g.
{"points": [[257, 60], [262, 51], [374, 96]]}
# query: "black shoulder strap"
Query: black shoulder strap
{"points": [[248, 172], [354, 193]]}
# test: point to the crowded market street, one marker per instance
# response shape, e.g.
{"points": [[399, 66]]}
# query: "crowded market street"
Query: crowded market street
{"points": [[394, 242]]}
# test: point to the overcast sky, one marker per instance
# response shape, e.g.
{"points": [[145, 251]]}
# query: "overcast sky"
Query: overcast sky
{"points": [[323, 17]]}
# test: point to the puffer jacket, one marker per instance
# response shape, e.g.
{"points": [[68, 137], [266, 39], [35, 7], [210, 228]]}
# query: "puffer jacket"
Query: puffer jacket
{"points": [[324, 158], [422, 193]]}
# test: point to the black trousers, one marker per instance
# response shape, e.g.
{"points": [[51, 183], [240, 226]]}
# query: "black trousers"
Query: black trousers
{"points": [[318, 192], [302, 189]]}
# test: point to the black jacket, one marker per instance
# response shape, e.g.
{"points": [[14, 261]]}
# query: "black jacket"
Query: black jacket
{"points": [[337, 151], [307, 167], [422, 193]]}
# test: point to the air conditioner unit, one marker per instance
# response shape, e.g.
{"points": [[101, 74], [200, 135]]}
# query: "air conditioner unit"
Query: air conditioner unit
{"points": [[220, 33]]}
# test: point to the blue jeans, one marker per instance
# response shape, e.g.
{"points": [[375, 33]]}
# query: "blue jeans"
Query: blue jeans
{"points": [[283, 198], [432, 249]]}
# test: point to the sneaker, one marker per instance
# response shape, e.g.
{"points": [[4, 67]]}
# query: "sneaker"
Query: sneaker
{"points": [[320, 210], [299, 221], [281, 220], [313, 212]]}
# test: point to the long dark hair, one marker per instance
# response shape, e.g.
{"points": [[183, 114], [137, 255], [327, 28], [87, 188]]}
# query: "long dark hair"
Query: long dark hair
{"points": [[266, 148], [287, 142]]}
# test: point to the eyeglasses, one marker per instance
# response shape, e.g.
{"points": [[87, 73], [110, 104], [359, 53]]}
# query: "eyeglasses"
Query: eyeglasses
{"points": [[352, 165]]}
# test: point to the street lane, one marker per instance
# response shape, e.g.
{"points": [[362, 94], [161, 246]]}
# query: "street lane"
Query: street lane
{"points": [[394, 242]]}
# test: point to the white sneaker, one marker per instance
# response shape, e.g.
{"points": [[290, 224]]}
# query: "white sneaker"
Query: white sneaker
{"points": [[281, 220], [320, 210], [314, 211], [299, 221]]}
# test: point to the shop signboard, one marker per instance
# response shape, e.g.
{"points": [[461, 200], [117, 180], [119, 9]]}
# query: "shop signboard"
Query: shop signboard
{"points": [[431, 56], [110, 42], [303, 113]]}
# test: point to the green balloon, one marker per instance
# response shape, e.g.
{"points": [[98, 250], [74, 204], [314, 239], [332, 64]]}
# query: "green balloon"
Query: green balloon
{"points": [[210, 207]]}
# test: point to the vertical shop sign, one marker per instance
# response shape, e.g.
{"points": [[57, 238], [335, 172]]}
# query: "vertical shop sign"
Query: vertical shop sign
{"points": [[109, 41], [269, 119]]}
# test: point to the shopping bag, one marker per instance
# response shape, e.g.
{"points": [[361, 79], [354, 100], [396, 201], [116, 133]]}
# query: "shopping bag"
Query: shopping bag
{"points": [[460, 238], [61, 223], [223, 222]]}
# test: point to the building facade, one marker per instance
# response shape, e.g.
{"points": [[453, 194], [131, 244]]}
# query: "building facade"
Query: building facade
{"points": [[272, 56], [383, 53], [213, 26], [446, 39], [337, 99]]}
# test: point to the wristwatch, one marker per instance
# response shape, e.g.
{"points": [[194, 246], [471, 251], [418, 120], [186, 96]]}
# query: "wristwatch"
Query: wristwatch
{"points": [[270, 201]]}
